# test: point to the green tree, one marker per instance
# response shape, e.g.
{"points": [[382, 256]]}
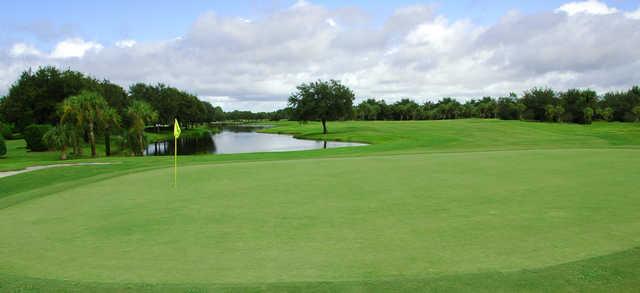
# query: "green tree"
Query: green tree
{"points": [[636, 111], [115, 95], [550, 113], [622, 104], [587, 115], [486, 108], [171, 103], [448, 108], [59, 138], [559, 110], [34, 97], [363, 111], [405, 109], [140, 113], [3, 147], [605, 113], [536, 101], [110, 121], [575, 101], [88, 111], [370, 109], [6, 130], [508, 108], [321, 100], [33, 135]]}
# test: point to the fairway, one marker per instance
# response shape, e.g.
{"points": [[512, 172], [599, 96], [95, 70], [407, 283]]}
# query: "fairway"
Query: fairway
{"points": [[481, 205]]}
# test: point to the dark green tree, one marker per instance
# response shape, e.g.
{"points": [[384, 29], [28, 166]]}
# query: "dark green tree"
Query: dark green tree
{"points": [[322, 100], [447, 108], [6, 130], [405, 109], [575, 101], [33, 135], [35, 96], [110, 121], [536, 101], [140, 114], [115, 95], [509, 108], [3, 147]]}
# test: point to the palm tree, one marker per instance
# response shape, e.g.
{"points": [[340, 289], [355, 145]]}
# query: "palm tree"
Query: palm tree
{"points": [[59, 138], [68, 117], [111, 120], [140, 113], [86, 111]]}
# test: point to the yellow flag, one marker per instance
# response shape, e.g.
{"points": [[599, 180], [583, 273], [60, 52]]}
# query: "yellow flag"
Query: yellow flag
{"points": [[176, 129]]}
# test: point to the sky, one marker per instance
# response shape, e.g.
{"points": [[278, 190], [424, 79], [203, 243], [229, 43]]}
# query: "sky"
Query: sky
{"points": [[250, 55]]}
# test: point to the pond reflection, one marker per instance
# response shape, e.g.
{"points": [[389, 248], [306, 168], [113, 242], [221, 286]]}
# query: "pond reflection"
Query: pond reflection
{"points": [[240, 139], [186, 146]]}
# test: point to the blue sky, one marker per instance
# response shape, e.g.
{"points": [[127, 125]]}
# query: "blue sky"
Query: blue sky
{"points": [[108, 21], [252, 54]]}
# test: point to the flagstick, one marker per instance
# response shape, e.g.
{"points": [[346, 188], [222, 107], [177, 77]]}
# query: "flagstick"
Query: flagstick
{"points": [[175, 161]]}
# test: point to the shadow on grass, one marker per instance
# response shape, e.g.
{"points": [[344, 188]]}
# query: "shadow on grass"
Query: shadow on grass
{"points": [[617, 272]]}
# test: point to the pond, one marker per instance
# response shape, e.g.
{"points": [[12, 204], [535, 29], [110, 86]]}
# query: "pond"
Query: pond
{"points": [[240, 139]]}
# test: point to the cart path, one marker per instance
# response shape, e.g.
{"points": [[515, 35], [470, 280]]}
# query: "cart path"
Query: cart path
{"points": [[35, 168]]}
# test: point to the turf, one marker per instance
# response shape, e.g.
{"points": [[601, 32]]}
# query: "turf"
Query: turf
{"points": [[461, 205]]}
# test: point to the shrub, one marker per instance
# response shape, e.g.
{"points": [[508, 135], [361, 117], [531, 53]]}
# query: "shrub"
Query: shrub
{"points": [[636, 112], [6, 130], [3, 147], [588, 115], [33, 135]]}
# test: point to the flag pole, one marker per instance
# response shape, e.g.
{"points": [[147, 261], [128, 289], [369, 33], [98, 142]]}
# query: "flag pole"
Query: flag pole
{"points": [[176, 134], [175, 161]]}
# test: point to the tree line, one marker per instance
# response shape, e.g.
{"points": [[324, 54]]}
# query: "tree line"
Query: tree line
{"points": [[61, 109], [538, 104], [36, 96], [325, 101], [581, 106]]}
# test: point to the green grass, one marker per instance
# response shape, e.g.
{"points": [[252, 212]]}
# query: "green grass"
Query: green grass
{"points": [[472, 205]]}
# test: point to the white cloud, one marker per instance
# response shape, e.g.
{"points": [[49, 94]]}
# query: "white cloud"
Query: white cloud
{"points": [[22, 49], [300, 4], [230, 104], [331, 22], [74, 47], [415, 53], [634, 14], [587, 7], [439, 34], [125, 43]]}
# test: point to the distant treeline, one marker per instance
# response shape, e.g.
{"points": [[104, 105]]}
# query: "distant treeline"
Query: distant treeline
{"points": [[537, 104]]}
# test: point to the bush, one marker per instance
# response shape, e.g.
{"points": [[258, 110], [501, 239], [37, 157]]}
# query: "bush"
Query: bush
{"points": [[3, 147], [6, 130], [33, 136], [588, 115]]}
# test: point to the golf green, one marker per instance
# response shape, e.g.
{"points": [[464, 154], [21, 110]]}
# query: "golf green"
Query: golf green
{"points": [[331, 219]]}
